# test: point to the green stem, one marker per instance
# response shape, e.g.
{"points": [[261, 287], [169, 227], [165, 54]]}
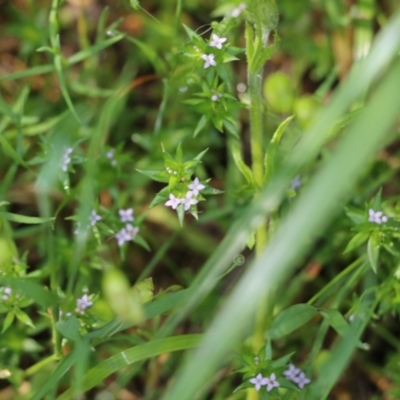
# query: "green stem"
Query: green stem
{"points": [[256, 41], [39, 365]]}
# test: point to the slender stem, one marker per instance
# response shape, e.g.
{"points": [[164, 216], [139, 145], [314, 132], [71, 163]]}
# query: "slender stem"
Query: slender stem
{"points": [[256, 41], [39, 365]]}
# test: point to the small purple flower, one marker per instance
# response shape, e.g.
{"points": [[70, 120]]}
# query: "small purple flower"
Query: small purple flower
{"points": [[291, 373], [66, 159], [94, 217], [272, 382], [122, 236], [132, 231], [196, 186], [296, 183], [259, 381], [209, 60], [110, 154], [217, 41], [376, 216], [173, 201], [301, 380], [188, 201], [126, 215], [83, 303]]}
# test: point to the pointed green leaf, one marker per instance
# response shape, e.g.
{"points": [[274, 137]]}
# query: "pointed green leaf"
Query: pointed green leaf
{"points": [[200, 125], [373, 250], [291, 319], [69, 328], [9, 319], [356, 241], [141, 352], [272, 150], [242, 167], [23, 317]]}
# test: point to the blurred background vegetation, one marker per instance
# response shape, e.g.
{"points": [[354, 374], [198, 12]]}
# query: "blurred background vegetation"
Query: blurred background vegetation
{"points": [[320, 40]]}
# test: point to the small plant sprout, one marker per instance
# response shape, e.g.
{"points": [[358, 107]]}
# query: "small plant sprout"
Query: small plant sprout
{"points": [[83, 303], [94, 217], [259, 381], [126, 215], [173, 202], [217, 41], [196, 186], [66, 159], [209, 60], [377, 216]]}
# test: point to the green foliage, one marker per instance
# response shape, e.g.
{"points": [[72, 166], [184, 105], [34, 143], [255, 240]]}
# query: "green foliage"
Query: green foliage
{"points": [[112, 116]]}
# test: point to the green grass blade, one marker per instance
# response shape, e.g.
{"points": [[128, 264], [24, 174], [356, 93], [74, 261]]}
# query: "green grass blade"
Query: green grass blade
{"points": [[78, 57], [138, 353], [62, 368], [23, 219]]}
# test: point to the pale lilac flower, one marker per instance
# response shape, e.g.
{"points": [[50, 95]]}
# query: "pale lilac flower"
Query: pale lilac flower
{"points": [[301, 380], [296, 183], [292, 372], [126, 215], [173, 201], [132, 230], [188, 200], [259, 381], [94, 217], [123, 236], [83, 303], [196, 186], [272, 382], [376, 217], [66, 159], [209, 60], [110, 154], [238, 10], [214, 97], [217, 41]]}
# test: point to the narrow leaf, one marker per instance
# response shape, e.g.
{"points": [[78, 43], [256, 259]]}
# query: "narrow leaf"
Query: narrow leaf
{"points": [[291, 319], [373, 250]]}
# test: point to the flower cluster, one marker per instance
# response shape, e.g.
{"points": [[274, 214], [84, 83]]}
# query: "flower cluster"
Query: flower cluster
{"points": [[296, 375], [188, 201], [270, 382], [216, 42], [83, 303], [129, 232], [377, 217], [66, 159]]}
